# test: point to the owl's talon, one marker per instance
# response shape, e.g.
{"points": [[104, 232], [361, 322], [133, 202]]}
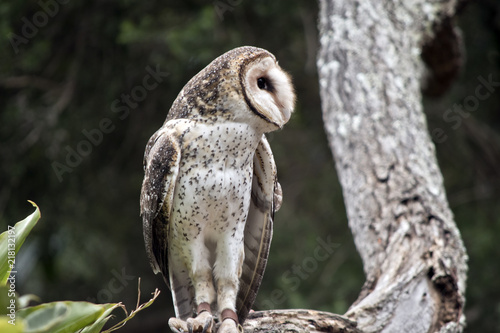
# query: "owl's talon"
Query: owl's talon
{"points": [[201, 324], [177, 325], [208, 326]]}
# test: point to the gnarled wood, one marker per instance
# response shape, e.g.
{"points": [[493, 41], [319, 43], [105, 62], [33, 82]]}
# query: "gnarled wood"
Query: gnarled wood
{"points": [[299, 321]]}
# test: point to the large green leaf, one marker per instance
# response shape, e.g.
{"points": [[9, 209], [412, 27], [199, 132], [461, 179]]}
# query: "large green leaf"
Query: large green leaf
{"points": [[11, 241], [62, 317]]}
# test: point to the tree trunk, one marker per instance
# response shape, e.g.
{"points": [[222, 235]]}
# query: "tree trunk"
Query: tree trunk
{"points": [[370, 71]]}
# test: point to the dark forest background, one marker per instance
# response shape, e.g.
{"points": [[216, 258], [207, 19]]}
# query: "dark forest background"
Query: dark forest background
{"points": [[70, 70]]}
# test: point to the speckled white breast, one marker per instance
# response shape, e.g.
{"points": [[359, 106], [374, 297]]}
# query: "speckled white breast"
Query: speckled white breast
{"points": [[213, 188]]}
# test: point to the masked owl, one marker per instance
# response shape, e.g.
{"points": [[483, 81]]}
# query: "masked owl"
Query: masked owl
{"points": [[210, 189]]}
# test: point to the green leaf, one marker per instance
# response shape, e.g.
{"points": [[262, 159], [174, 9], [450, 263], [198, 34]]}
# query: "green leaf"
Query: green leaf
{"points": [[11, 241], [9, 327], [97, 326], [6, 299], [62, 317]]}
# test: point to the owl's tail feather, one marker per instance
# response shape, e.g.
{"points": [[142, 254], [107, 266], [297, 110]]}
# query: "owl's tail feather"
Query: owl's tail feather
{"points": [[259, 227], [258, 234], [182, 294]]}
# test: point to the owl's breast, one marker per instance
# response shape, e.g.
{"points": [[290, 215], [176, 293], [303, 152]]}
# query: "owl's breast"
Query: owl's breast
{"points": [[213, 187]]}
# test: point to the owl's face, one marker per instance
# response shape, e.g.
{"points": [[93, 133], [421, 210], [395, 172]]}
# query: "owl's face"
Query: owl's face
{"points": [[268, 90], [245, 84]]}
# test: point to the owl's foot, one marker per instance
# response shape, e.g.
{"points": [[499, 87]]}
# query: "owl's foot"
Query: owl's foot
{"points": [[177, 325], [202, 323]]}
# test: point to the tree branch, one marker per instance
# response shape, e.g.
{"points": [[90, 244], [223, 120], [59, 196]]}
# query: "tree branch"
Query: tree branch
{"points": [[298, 321]]}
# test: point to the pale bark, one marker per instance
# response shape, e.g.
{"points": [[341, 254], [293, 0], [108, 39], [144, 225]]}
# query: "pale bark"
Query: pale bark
{"points": [[298, 321]]}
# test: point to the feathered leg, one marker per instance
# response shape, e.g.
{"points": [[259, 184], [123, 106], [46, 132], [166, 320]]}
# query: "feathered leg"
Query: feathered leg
{"points": [[227, 270], [200, 273]]}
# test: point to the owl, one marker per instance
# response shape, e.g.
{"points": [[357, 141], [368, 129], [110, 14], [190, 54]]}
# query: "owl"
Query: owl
{"points": [[210, 189]]}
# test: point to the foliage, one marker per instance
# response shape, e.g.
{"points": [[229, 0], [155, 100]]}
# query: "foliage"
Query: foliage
{"points": [[54, 317], [11, 241]]}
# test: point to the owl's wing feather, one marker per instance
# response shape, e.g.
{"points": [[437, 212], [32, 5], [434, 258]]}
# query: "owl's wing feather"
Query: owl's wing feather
{"points": [[266, 199], [161, 166]]}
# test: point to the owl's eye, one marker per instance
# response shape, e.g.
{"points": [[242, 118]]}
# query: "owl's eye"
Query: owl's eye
{"points": [[264, 84]]}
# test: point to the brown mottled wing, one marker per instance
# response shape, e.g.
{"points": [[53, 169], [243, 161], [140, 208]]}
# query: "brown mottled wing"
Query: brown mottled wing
{"points": [[266, 199], [161, 165]]}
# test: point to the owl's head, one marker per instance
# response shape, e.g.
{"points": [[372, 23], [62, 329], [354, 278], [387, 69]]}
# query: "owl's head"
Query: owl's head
{"points": [[245, 84], [267, 89]]}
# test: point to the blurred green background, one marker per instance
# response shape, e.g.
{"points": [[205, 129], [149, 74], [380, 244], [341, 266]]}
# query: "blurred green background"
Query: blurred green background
{"points": [[77, 63]]}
